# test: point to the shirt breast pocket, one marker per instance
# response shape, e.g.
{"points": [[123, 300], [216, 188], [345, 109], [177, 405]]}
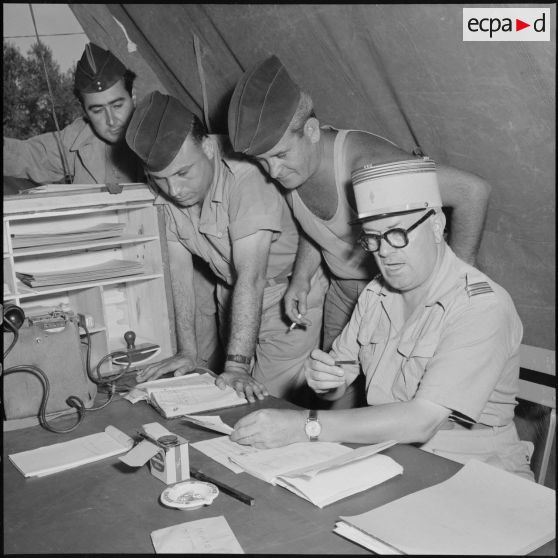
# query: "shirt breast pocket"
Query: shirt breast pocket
{"points": [[371, 341], [417, 353]]}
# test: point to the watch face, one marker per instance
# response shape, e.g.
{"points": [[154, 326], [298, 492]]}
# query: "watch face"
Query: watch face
{"points": [[313, 429]]}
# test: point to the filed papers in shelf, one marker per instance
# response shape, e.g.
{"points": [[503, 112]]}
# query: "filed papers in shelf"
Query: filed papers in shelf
{"points": [[106, 270], [96, 232]]}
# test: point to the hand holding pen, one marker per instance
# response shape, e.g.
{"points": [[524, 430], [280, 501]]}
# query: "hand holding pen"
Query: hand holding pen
{"points": [[324, 373]]}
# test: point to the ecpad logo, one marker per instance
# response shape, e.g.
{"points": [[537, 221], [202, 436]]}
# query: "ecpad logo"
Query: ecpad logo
{"points": [[506, 24]]}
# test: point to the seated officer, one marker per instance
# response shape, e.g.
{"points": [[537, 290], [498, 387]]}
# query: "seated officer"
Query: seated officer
{"points": [[436, 340], [230, 215], [94, 150]]}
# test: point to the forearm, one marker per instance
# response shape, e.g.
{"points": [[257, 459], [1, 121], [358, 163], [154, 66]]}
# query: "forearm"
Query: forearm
{"points": [[406, 422], [467, 195], [246, 311], [467, 226], [182, 285], [37, 159], [308, 258]]}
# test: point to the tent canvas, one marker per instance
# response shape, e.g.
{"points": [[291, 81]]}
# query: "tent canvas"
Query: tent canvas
{"points": [[401, 71]]}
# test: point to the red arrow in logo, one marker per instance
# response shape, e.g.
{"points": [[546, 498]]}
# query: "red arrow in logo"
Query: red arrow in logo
{"points": [[519, 25]]}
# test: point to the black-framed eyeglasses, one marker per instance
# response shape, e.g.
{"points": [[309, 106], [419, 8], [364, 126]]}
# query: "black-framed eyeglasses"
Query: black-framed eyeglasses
{"points": [[397, 238]]}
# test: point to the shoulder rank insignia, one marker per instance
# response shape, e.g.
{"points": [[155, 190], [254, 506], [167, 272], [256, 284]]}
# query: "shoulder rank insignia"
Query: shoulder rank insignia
{"points": [[474, 289]]}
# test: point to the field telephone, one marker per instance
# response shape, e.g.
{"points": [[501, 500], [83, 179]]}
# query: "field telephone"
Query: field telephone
{"points": [[44, 370], [46, 374]]}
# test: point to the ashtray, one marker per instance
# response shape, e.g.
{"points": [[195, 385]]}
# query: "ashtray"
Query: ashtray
{"points": [[189, 495]]}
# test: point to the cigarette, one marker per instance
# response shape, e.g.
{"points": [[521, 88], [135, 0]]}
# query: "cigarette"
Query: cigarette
{"points": [[340, 362], [294, 324]]}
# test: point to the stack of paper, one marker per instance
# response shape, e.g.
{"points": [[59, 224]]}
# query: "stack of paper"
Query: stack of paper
{"points": [[480, 510], [183, 395], [100, 231], [321, 472], [67, 455], [107, 270]]}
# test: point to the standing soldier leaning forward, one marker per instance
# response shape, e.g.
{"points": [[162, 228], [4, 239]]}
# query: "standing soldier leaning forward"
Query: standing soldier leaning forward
{"points": [[227, 212]]}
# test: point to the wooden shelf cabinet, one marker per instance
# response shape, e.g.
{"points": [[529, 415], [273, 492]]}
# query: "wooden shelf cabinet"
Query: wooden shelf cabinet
{"points": [[141, 302]]}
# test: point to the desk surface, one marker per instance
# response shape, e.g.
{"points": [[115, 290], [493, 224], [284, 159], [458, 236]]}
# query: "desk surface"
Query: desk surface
{"points": [[107, 507]]}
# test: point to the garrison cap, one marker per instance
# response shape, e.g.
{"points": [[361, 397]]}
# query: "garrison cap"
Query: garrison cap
{"points": [[97, 70], [395, 188], [157, 130], [262, 106]]}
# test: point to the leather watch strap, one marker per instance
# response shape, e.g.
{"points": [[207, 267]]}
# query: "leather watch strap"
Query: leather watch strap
{"points": [[241, 359]]}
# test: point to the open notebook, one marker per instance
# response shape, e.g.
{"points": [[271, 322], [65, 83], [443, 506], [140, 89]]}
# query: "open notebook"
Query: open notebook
{"points": [[481, 510], [183, 395], [321, 472]]}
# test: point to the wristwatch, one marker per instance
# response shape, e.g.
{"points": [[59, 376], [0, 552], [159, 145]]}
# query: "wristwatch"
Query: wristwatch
{"points": [[313, 426], [241, 359]]}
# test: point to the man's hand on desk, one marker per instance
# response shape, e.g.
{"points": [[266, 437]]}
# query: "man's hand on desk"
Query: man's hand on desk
{"points": [[242, 383], [179, 364], [271, 428]]}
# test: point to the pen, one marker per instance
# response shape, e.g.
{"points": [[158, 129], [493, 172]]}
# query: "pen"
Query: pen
{"points": [[339, 362], [248, 500]]}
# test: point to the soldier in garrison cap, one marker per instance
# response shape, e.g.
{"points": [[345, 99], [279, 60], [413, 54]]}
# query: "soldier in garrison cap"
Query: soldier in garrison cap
{"points": [[436, 341], [94, 150], [231, 215], [272, 119]]}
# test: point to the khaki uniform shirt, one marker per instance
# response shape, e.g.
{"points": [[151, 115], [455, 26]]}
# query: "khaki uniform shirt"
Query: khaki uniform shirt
{"points": [[90, 159], [460, 349], [240, 202]]}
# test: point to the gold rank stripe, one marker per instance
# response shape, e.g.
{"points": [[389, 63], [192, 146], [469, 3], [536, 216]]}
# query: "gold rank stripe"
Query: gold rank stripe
{"points": [[481, 287]]}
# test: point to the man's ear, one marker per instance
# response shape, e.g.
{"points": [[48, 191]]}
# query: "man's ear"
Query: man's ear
{"points": [[438, 225], [312, 129], [134, 99], [207, 147]]}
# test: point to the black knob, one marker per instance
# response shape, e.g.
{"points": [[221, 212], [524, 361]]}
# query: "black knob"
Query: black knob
{"points": [[130, 338], [14, 315]]}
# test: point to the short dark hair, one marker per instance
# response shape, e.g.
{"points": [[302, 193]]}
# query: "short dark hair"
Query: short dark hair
{"points": [[128, 77], [304, 111]]}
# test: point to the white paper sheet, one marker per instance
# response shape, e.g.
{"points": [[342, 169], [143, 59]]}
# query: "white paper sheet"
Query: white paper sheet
{"points": [[73, 453], [221, 449], [481, 510], [211, 535], [211, 422]]}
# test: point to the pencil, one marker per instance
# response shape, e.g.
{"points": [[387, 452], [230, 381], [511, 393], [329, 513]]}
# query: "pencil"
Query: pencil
{"points": [[340, 362], [248, 500]]}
